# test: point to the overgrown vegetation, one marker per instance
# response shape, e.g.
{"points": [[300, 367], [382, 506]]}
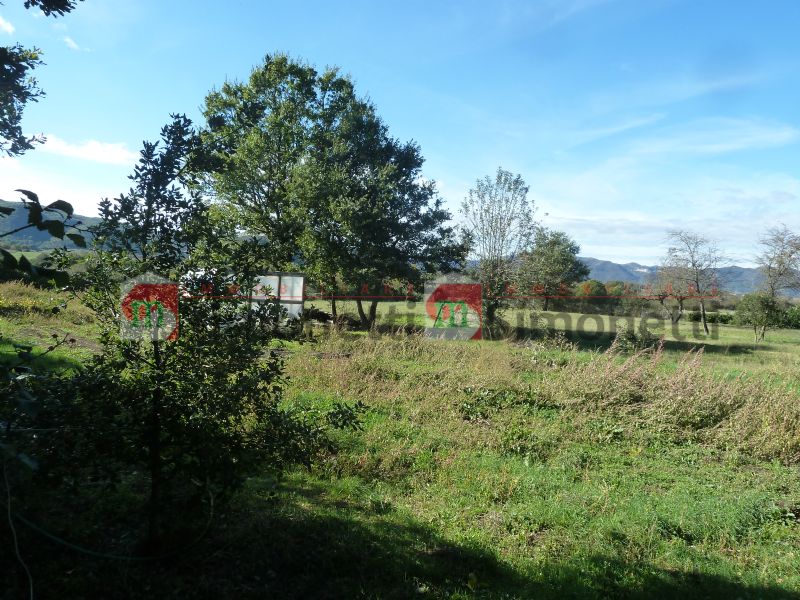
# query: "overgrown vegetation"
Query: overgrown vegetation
{"points": [[487, 469], [603, 459]]}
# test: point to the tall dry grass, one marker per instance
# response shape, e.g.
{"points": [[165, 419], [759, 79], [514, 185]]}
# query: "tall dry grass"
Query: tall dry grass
{"points": [[759, 418], [754, 416]]}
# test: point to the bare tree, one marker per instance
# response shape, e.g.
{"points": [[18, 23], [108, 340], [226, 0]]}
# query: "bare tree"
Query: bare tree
{"points": [[499, 218], [671, 292], [691, 267], [779, 260]]}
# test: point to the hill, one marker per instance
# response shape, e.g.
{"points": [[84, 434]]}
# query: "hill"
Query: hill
{"points": [[739, 280], [32, 239]]}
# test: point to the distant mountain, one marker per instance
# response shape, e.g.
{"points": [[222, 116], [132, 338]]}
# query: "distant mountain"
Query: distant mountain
{"points": [[739, 280], [605, 270], [33, 239]]}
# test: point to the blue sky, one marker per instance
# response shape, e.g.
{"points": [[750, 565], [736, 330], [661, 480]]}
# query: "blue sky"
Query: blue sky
{"points": [[626, 117]]}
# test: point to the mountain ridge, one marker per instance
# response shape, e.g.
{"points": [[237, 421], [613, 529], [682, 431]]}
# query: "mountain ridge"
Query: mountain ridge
{"points": [[733, 278], [739, 280]]}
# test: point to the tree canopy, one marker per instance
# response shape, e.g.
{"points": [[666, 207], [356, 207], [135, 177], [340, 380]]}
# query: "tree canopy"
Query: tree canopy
{"points": [[499, 218], [315, 175], [551, 263]]}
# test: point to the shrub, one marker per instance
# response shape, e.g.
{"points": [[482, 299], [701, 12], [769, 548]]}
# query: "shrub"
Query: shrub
{"points": [[791, 317], [711, 317], [480, 403], [628, 340], [760, 311]]}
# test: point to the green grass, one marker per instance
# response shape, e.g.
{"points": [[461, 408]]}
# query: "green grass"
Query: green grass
{"points": [[485, 470], [32, 316], [729, 349], [566, 502]]}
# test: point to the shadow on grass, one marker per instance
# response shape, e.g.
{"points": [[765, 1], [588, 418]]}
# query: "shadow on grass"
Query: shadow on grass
{"points": [[39, 360], [301, 543], [602, 341]]}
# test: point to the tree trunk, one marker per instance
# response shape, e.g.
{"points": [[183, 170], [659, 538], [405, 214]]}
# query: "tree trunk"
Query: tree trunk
{"points": [[703, 316], [367, 318], [373, 313], [546, 302], [675, 314], [154, 454], [678, 313], [491, 312]]}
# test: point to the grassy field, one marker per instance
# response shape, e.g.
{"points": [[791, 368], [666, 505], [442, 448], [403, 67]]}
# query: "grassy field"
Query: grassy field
{"points": [[544, 469], [516, 454], [729, 349]]}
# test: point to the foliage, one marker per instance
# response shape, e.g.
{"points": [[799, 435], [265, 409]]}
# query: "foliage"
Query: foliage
{"points": [[591, 296], [391, 225], [314, 175], [627, 339], [712, 317], [63, 225], [499, 218], [551, 265], [154, 223], [53, 7], [760, 311], [17, 88], [256, 135], [792, 317]]}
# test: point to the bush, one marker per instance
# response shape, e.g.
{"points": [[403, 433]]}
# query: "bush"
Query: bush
{"points": [[628, 340], [791, 317], [711, 317], [759, 311]]}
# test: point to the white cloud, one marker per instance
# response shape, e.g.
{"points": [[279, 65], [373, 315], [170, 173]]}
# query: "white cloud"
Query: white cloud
{"points": [[672, 89], [92, 150], [577, 138], [718, 136], [71, 44], [622, 208], [6, 27], [81, 188]]}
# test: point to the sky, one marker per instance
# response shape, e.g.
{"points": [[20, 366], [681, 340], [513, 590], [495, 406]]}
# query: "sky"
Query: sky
{"points": [[627, 118]]}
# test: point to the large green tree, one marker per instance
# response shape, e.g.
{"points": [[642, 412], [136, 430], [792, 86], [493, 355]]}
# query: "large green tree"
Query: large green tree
{"points": [[257, 135], [551, 265], [372, 220], [315, 175]]}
